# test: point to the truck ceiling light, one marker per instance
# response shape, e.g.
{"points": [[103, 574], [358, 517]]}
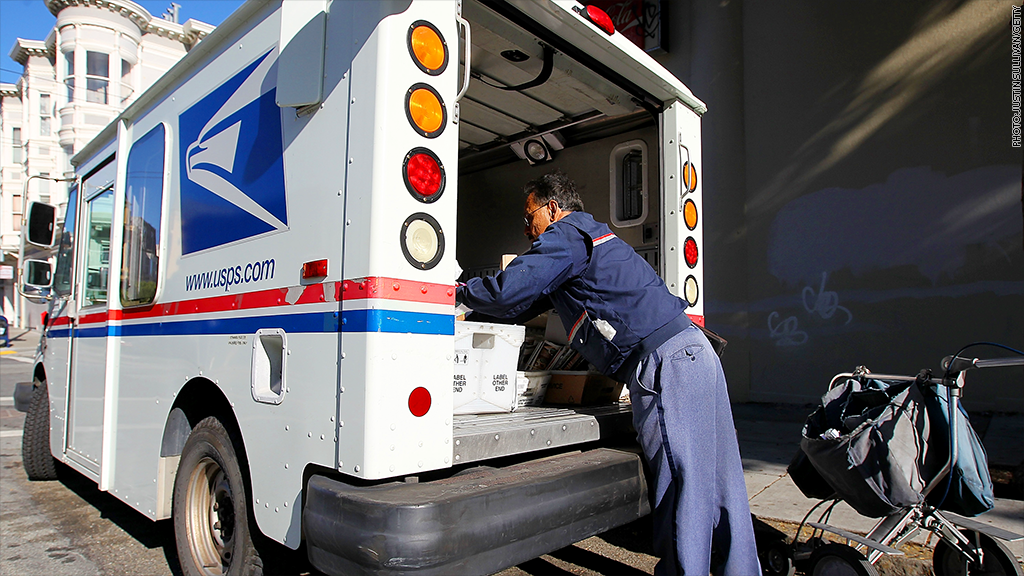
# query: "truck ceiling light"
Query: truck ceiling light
{"points": [[690, 252], [691, 290], [690, 214], [424, 175], [536, 150], [689, 176], [425, 110], [419, 401], [314, 269], [428, 48], [422, 241], [599, 18]]}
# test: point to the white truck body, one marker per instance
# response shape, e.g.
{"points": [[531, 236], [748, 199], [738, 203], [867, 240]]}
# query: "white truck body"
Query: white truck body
{"points": [[277, 146]]}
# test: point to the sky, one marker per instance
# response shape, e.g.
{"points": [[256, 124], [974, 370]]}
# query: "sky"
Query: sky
{"points": [[31, 20]]}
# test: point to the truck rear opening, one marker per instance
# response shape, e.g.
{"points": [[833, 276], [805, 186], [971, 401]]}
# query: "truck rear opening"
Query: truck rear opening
{"points": [[535, 103], [533, 107]]}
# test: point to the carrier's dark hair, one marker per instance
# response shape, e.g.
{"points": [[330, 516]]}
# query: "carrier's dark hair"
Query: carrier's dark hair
{"points": [[555, 186]]}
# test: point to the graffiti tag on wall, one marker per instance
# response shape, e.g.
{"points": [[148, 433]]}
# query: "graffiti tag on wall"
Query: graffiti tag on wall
{"points": [[823, 303]]}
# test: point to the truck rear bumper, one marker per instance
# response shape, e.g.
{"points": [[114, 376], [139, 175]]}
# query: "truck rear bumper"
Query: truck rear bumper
{"points": [[478, 522]]}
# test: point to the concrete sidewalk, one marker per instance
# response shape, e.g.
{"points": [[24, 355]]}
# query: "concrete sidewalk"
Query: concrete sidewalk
{"points": [[770, 434]]}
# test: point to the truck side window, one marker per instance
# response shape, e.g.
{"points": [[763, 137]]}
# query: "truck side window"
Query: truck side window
{"points": [[97, 257], [144, 191], [628, 183], [63, 276], [97, 191]]}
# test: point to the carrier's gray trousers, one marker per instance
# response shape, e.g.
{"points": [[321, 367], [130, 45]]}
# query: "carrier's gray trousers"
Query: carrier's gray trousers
{"points": [[684, 423]]}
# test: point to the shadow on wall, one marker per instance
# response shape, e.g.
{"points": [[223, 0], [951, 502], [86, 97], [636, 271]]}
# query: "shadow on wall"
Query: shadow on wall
{"points": [[883, 215], [918, 217], [895, 276], [948, 39]]}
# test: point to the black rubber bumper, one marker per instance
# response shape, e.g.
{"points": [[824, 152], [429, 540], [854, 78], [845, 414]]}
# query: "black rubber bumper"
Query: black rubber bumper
{"points": [[476, 523], [23, 395]]}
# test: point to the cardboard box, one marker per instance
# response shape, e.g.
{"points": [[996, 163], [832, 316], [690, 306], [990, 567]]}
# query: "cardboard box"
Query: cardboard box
{"points": [[582, 389]]}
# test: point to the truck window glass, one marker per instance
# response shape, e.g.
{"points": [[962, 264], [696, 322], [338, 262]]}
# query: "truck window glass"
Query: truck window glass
{"points": [[144, 188], [628, 183], [631, 188], [98, 211], [62, 279]]}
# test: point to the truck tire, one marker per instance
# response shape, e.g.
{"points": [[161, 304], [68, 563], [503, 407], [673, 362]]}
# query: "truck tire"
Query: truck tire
{"points": [[212, 528], [35, 440]]}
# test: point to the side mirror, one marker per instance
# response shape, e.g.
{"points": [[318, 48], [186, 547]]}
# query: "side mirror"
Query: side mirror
{"points": [[42, 224], [37, 274], [36, 280]]}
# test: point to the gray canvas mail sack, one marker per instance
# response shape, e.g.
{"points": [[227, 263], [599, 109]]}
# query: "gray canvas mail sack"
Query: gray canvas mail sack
{"points": [[870, 442], [969, 491]]}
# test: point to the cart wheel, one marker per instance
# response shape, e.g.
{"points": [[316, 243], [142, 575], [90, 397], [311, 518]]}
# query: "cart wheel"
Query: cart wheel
{"points": [[997, 560], [776, 559], [840, 560]]}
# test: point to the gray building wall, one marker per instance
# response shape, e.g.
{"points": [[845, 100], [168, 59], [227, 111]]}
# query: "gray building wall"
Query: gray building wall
{"points": [[862, 200]]}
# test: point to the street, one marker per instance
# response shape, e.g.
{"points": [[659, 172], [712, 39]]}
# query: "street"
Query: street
{"points": [[70, 527]]}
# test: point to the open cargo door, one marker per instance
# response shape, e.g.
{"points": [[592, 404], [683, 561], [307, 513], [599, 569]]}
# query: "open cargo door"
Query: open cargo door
{"points": [[682, 207]]}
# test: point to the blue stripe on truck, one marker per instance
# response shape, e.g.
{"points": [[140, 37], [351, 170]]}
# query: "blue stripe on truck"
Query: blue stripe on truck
{"points": [[352, 321]]}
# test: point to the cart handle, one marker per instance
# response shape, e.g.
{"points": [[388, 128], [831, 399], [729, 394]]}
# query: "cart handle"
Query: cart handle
{"points": [[959, 364]]}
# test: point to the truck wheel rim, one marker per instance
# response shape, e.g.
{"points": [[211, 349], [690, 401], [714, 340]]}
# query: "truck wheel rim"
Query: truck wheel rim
{"points": [[210, 522]]}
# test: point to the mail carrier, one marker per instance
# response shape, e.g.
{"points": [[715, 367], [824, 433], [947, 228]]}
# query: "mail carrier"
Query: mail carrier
{"points": [[252, 319]]}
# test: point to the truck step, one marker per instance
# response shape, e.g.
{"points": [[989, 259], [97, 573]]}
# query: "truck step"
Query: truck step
{"points": [[531, 428]]}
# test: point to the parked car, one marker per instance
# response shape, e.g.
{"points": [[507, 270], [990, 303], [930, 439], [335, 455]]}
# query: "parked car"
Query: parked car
{"points": [[5, 337]]}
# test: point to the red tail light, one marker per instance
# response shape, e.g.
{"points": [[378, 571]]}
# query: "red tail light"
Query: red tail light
{"points": [[690, 252], [424, 175], [600, 19]]}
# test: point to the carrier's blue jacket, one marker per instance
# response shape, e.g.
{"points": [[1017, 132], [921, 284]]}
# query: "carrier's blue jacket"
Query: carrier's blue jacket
{"points": [[591, 277]]}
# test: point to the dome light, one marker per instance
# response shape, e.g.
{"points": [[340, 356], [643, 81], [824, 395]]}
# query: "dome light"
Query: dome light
{"points": [[536, 150]]}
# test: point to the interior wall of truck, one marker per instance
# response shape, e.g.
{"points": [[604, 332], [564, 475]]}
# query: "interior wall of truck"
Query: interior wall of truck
{"points": [[531, 109]]}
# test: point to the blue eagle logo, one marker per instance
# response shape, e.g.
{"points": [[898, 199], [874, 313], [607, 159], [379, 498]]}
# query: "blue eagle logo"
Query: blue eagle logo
{"points": [[232, 166]]}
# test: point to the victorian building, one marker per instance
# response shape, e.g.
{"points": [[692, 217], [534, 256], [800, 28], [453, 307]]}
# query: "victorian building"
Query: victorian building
{"points": [[98, 57]]}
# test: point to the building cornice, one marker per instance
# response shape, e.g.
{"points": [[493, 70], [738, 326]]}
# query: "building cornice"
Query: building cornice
{"points": [[9, 90], [126, 8], [24, 49], [190, 33]]}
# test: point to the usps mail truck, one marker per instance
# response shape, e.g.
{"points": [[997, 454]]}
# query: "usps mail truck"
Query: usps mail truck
{"points": [[252, 319]]}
